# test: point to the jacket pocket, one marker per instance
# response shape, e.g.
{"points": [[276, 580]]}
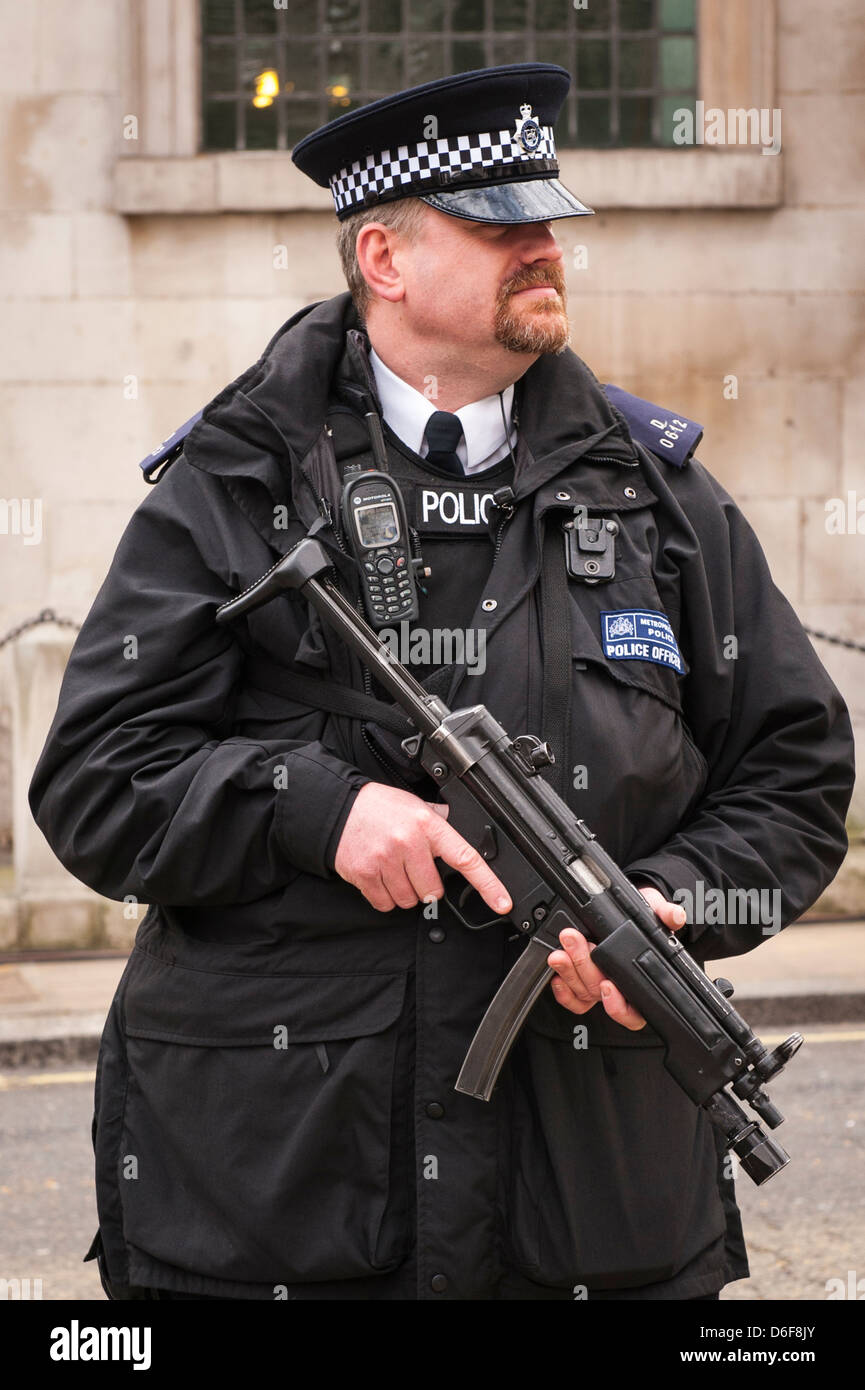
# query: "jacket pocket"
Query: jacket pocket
{"points": [[618, 1170], [269, 1136]]}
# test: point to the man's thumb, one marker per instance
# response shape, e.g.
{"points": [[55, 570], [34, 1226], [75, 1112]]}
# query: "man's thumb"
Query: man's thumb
{"points": [[440, 806]]}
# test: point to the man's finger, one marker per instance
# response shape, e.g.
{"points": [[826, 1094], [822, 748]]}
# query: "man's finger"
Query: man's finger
{"points": [[567, 970], [450, 846], [619, 1009], [672, 915], [424, 877], [578, 951]]}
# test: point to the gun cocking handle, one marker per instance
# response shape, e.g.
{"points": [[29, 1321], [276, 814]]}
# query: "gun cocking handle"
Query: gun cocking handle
{"points": [[533, 753]]}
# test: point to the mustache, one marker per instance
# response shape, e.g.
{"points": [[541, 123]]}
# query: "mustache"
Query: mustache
{"points": [[531, 276]]}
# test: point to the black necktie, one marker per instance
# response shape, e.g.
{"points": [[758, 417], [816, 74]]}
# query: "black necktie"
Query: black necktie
{"points": [[443, 433]]}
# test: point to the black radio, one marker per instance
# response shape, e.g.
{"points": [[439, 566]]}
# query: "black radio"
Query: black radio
{"points": [[376, 528]]}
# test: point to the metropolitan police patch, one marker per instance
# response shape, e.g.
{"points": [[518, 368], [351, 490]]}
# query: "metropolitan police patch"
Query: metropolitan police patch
{"points": [[640, 634]]}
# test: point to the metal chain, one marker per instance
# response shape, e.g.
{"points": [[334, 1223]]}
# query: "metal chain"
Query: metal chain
{"points": [[836, 641], [46, 616]]}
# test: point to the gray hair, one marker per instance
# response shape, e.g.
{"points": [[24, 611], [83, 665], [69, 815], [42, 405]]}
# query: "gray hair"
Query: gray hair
{"points": [[404, 215]]}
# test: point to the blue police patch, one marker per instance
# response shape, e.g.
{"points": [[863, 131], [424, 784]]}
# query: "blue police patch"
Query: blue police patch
{"points": [[639, 634]]}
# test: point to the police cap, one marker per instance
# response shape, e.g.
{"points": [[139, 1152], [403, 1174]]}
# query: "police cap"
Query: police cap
{"points": [[477, 145]]}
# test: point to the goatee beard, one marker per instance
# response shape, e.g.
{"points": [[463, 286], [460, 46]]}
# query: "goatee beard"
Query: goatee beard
{"points": [[542, 324]]}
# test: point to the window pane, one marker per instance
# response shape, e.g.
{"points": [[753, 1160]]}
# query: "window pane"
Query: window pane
{"points": [[259, 57], [341, 16], [636, 62], [565, 128], [595, 16], [635, 121], [301, 117], [593, 64], [468, 55], [593, 121], [301, 18], [343, 71], [259, 17], [468, 15], [558, 50], [636, 14], [384, 16], [426, 61], [509, 51], [678, 14], [677, 63], [426, 16], [385, 66], [341, 95], [671, 120], [511, 14], [261, 127], [220, 68], [220, 128], [218, 17], [301, 67]]}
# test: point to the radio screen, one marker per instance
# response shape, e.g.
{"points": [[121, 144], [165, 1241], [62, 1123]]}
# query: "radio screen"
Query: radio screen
{"points": [[377, 524]]}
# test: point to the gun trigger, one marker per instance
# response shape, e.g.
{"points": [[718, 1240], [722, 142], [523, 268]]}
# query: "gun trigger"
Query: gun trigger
{"points": [[488, 847]]}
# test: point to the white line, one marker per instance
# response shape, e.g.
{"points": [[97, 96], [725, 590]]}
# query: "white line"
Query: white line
{"points": [[53, 1078], [852, 1035]]}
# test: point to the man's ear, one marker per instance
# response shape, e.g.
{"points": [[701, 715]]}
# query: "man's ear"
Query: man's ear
{"points": [[376, 250]]}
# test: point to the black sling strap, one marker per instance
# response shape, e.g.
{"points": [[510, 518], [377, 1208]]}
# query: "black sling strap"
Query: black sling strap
{"points": [[557, 660], [327, 695]]}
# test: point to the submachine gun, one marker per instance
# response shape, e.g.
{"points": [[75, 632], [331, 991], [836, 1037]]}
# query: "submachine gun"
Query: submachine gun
{"points": [[558, 876]]}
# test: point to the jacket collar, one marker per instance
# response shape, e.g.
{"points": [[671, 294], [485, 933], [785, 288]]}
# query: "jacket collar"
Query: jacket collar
{"points": [[272, 414]]}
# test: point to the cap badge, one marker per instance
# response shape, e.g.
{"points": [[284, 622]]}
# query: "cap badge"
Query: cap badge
{"points": [[528, 133]]}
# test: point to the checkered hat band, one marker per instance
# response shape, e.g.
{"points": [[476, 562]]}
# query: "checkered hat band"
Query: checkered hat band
{"points": [[435, 163]]}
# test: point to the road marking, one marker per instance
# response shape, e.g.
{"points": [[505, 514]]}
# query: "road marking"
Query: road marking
{"points": [[852, 1035], [54, 1078]]}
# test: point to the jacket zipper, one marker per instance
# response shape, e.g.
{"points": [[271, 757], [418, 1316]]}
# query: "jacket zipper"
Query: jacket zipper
{"points": [[508, 511]]}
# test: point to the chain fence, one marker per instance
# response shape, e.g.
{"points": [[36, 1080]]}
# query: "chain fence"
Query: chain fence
{"points": [[47, 615]]}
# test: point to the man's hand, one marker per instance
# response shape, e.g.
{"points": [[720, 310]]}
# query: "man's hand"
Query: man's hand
{"points": [[578, 985], [388, 845]]}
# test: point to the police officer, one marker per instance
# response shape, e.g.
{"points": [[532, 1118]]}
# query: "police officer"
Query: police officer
{"points": [[275, 1112]]}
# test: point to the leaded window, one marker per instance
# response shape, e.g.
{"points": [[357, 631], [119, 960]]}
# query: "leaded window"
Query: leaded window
{"points": [[274, 71]]}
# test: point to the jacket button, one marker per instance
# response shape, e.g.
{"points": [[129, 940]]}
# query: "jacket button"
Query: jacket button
{"points": [[434, 1110], [437, 934], [438, 1283]]}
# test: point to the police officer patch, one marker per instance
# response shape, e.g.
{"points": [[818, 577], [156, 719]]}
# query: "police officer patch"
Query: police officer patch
{"points": [[456, 511], [640, 634]]}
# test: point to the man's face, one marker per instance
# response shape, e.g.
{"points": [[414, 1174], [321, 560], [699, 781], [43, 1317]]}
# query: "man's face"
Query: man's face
{"points": [[477, 284]]}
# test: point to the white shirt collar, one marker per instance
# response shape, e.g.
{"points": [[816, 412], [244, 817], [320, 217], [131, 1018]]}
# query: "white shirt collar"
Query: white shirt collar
{"points": [[407, 411]]}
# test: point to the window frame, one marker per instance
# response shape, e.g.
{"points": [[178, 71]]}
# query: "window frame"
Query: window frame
{"points": [[162, 171]]}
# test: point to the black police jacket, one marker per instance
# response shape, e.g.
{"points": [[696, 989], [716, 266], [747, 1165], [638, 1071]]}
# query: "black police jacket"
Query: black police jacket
{"points": [[275, 1113]]}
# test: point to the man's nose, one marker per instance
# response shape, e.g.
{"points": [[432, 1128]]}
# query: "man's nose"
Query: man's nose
{"points": [[540, 244]]}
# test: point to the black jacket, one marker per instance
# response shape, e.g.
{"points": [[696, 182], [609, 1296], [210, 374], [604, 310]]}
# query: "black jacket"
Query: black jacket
{"points": [[274, 1104]]}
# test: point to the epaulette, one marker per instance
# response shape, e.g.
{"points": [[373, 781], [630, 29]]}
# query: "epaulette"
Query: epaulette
{"points": [[168, 450], [670, 437]]}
